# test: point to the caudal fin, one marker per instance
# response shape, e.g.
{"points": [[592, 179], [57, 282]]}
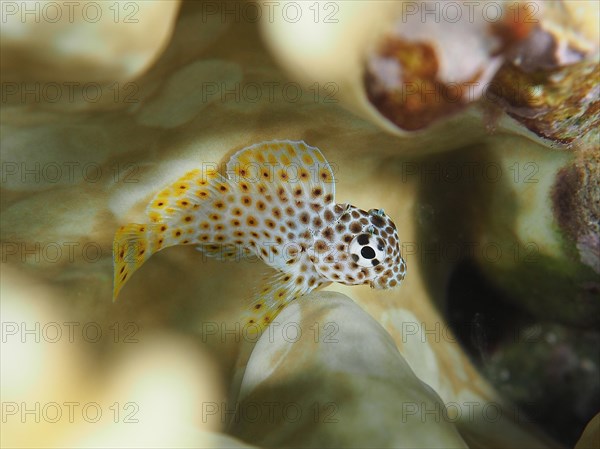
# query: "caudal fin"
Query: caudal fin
{"points": [[131, 248]]}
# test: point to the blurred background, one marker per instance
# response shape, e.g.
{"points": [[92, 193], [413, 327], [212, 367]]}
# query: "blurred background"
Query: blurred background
{"points": [[473, 124]]}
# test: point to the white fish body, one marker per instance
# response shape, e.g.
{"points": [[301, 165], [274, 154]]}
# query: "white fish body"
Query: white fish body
{"points": [[278, 202]]}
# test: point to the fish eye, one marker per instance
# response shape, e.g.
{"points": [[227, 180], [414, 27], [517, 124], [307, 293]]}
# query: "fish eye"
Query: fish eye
{"points": [[365, 250]]}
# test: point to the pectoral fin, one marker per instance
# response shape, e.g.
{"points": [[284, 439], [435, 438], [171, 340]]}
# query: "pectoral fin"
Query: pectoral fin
{"points": [[275, 293]]}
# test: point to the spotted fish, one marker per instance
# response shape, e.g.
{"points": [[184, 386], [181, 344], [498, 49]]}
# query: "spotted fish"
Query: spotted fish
{"points": [[277, 202]]}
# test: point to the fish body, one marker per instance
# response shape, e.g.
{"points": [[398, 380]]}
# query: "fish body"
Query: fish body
{"points": [[277, 201]]}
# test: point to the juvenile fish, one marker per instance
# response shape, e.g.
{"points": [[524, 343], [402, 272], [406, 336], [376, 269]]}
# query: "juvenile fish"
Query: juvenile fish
{"points": [[277, 202]]}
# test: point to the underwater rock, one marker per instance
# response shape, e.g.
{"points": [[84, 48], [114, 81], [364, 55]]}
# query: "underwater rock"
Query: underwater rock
{"points": [[334, 362], [339, 51], [560, 105], [411, 65], [576, 205], [529, 221], [560, 359], [519, 254], [561, 33], [80, 391], [590, 439], [424, 70], [546, 255], [84, 41], [325, 52], [80, 55]]}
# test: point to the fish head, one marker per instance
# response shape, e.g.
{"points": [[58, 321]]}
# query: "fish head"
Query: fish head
{"points": [[364, 248]]}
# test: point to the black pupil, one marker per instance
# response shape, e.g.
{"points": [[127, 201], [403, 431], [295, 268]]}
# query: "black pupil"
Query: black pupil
{"points": [[367, 252], [363, 239]]}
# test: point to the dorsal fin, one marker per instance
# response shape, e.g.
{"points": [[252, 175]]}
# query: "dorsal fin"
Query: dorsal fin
{"points": [[192, 188], [284, 164]]}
